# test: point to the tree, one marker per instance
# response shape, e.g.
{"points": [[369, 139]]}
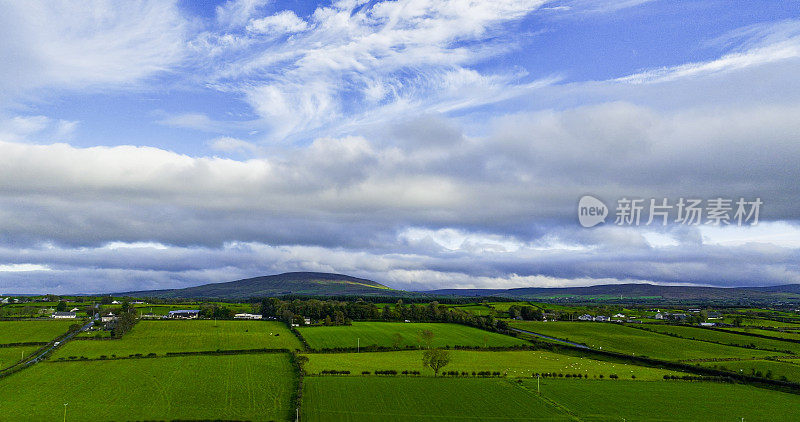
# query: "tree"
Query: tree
{"points": [[397, 340], [435, 359], [427, 337], [61, 307]]}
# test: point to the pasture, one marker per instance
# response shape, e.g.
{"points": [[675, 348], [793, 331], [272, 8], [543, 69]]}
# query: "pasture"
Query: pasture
{"points": [[399, 334], [239, 387], [774, 369], [668, 400], [35, 331], [160, 337], [632, 341], [11, 355], [513, 363], [421, 399], [733, 339], [790, 335]]}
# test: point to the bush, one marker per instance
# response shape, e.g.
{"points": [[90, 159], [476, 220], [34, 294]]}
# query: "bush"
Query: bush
{"points": [[365, 372]]}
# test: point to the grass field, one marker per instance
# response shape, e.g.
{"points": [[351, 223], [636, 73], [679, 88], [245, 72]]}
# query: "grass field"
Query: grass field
{"points": [[421, 399], [725, 338], [384, 334], [161, 337], [11, 355], [760, 322], [240, 387], [514, 363], [791, 335], [749, 367], [619, 338], [668, 401], [33, 331]]}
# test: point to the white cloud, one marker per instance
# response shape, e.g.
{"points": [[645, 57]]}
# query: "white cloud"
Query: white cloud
{"points": [[73, 45], [15, 268], [760, 45], [233, 145], [285, 22]]}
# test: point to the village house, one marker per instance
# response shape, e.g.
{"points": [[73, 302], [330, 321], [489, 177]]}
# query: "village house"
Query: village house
{"points": [[108, 318], [585, 317], [601, 318], [64, 315], [661, 316], [247, 316]]}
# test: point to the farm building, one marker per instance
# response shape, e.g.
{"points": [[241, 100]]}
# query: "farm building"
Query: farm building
{"points": [[64, 315], [247, 316], [184, 314]]}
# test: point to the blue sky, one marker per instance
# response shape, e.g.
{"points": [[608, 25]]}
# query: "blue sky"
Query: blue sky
{"points": [[423, 144]]}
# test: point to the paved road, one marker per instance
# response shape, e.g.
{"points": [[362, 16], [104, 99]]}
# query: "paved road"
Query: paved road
{"points": [[54, 344], [582, 346]]}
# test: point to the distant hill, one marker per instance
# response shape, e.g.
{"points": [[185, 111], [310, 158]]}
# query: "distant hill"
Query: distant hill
{"points": [[296, 283], [327, 284], [633, 290]]}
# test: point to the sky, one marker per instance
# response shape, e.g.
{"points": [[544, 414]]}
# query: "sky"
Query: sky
{"points": [[421, 144]]}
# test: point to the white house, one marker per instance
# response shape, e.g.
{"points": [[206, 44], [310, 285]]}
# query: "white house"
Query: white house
{"points": [[619, 316], [585, 317], [64, 315], [601, 318], [247, 316], [660, 316], [74, 310], [116, 302], [108, 318]]}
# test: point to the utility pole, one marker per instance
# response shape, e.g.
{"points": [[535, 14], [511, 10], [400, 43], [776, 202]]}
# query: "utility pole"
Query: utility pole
{"points": [[358, 347], [65, 412], [537, 384]]}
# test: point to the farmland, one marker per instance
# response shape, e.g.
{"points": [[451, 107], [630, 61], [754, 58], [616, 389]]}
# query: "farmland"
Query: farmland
{"points": [[39, 331], [726, 338], [391, 334], [512, 363], [161, 337], [773, 369], [421, 399], [790, 335], [10, 355], [622, 339], [668, 400], [241, 387]]}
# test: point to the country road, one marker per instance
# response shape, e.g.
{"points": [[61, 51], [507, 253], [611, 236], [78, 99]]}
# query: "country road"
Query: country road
{"points": [[582, 346], [53, 344]]}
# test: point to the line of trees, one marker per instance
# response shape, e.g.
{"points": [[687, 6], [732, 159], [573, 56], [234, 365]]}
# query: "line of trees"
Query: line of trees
{"points": [[335, 312]]}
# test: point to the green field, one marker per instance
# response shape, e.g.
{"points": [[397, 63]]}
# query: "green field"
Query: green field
{"points": [[668, 401], [238, 387], [33, 331], [421, 399], [725, 337], [760, 322], [384, 334], [619, 338], [791, 335], [161, 337], [749, 367], [11, 355], [513, 363]]}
